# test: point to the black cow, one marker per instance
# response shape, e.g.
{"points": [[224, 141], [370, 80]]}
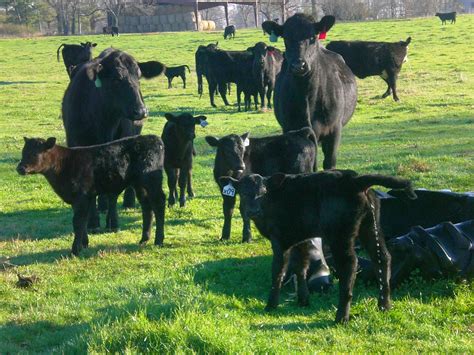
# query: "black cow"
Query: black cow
{"points": [[178, 136], [446, 16], [103, 102], [229, 32], [335, 205], [374, 58], [75, 54], [78, 175], [110, 30], [173, 72], [201, 57], [315, 88], [292, 152], [266, 66]]}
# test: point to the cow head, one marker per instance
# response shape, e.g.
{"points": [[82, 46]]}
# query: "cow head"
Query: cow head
{"points": [[185, 124], [33, 156], [300, 34], [230, 153], [116, 74], [260, 51]]}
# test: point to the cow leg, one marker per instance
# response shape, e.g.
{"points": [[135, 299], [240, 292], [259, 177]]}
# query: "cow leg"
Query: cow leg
{"points": [[279, 267], [269, 97], [169, 83], [228, 205], [345, 260], [102, 203], [302, 265], [190, 185], [147, 213], [112, 215], [388, 92], [94, 219], [239, 95], [157, 198], [329, 144], [255, 100], [212, 89], [374, 242], [81, 209], [183, 77], [223, 91], [392, 81], [172, 179], [129, 198], [183, 182], [246, 233]]}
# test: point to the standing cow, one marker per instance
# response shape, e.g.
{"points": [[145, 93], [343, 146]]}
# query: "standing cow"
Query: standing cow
{"points": [[315, 87], [446, 16], [229, 32], [75, 54], [103, 102]]}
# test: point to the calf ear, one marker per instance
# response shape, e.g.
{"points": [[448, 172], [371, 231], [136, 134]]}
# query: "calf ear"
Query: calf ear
{"points": [[200, 119], [170, 117], [325, 24], [407, 42], [151, 69], [94, 45], [93, 69], [271, 26], [274, 182], [50, 142], [212, 141]]}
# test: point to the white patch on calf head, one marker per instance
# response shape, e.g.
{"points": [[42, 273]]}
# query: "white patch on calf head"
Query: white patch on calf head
{"points": [[246, 142]]}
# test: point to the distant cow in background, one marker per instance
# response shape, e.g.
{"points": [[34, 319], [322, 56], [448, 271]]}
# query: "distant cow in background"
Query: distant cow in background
{"points": [[446, 16], [374, 58], [110, 30], [75, 54], [229, 32], [173, 72]]}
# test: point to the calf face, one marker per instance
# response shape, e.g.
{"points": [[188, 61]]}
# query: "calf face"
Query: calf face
{"points": [[230, 152], [117, 76], [186, 124], [300, 34], [32, 159]]}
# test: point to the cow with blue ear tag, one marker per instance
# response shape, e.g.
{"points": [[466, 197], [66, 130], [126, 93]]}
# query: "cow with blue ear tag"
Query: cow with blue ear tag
{"points": [[240, 155], [178, 136], [315, 87]]}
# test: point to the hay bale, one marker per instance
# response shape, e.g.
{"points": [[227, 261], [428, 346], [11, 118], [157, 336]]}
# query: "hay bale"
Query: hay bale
{"points": [[212, 25]]}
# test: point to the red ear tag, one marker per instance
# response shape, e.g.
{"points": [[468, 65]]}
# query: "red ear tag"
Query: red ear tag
{"points": [[322, 35]]}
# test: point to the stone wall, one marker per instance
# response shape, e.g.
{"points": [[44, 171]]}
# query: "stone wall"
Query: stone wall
{"points": [[166, 18]]}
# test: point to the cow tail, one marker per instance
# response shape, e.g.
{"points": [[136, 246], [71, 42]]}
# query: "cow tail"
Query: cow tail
{"points": [[57, 53], [189, 70], [363, 182]]}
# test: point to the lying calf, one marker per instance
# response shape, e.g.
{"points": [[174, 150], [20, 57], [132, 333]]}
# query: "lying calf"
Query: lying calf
{"points": [[293, 152], [79, 174], [335, 205], [178, 136]]}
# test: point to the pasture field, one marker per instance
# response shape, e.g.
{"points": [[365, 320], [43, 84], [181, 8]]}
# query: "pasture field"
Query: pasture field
{"points": [[197, 294]]}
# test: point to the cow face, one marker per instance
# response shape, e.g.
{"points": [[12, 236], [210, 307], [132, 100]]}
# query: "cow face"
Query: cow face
{"points": [[33, 155], [186, 125], [117, 75], [260, 51], [230, 153], [300, 34]]}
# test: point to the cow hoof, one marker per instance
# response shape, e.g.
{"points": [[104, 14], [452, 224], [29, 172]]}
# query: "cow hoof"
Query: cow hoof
{"points": [[269, 308], [246, 240], [143, 241], [223, 239], [159, 244]]}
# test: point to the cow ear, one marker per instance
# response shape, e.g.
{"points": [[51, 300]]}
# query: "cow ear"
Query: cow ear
{"points": [[201, 120], [50, 142], [94, 45], [83, 44], [275, 181], [270, 27], [325, 24], [250, 49], [407, 42], [212, 141], [170, 117], [151, 69], [226, 180], [92, 70], [25, 139], [217, 43]]}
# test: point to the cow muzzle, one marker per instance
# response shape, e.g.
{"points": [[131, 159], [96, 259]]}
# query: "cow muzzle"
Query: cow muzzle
{"points": [[21, 169], [299, 68]]}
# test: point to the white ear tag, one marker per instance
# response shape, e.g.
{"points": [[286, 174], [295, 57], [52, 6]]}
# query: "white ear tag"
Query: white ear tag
{"points": [[246, 142], [228, 190], [203, 123]]}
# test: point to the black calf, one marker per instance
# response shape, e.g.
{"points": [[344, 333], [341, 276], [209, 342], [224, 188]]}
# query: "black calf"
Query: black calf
{"points": [[173, 72]]}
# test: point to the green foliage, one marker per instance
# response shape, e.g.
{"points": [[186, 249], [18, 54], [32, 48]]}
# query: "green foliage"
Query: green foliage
{"points": [[200, 295]]}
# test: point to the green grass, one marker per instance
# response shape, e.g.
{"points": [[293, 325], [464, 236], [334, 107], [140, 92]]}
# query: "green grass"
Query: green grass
{"points": [[197, 294]]}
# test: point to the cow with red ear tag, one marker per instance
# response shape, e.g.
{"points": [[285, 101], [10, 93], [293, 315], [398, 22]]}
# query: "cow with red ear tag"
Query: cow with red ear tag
{"points": [[315, 87]]}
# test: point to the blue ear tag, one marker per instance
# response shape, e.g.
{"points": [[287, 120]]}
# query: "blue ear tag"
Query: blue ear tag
{"points": [[203, 123], [273, 37], [98, 83]]}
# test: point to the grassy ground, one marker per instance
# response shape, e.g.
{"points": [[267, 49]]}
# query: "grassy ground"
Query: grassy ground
{"points": [[197, 294]]}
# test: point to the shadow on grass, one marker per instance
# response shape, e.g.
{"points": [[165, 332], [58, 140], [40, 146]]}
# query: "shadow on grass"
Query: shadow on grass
{"points": [[4, 83]]}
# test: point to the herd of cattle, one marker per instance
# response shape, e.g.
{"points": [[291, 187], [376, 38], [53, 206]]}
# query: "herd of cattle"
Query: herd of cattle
{"points": [[315, 95]]}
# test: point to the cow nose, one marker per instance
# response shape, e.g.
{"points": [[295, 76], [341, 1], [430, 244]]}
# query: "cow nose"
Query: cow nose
{"points": [[21, 169], [140, 113], [299, 67]]}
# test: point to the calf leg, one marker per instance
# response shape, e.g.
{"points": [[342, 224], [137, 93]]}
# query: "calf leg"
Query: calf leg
{"points": [[81, 209], [190, 186], [329, 144], [129, 198], [147, 214], [172, 179], [112, 215], [345, 260], [302, 265], [183, 77], [169, 83], [392, 82], [223, 91], [246, 233], [212, 90], [102, 203], [183, 183], [228, 206], [279, 267], [372, 240], [157, 198]]}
